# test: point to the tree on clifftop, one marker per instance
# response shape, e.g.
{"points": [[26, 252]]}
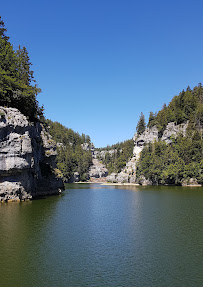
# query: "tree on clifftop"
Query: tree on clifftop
{"points": [[141, 125], [151, 121], [3, 30], [17, 85]]}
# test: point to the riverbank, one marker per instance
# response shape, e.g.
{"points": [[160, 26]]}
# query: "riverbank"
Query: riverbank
{"points": [[131, 184], [106, 183], [117, 183]]}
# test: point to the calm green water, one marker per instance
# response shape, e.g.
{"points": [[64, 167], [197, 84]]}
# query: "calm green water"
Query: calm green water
{"points": [[104, 236]]}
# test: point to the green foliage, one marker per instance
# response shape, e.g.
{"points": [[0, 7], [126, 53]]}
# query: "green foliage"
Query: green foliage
{"points": [[71, 156], [151, 121], [122, 153], [141, 125], [2, 114], [173, 163], [187, 106], [17, 85], [183, 158]]}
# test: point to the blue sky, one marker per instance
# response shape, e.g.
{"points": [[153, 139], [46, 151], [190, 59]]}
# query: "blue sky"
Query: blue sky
{"points": [[100, 63]]}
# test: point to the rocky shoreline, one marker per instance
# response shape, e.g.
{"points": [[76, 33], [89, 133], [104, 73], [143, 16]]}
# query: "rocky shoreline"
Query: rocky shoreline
{"points": [[132, 184], [27, 159]]}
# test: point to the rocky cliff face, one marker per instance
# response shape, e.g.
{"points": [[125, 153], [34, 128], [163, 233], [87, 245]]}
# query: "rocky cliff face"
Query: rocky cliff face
{"points": [[101, 154], [128, 173], [27, 158], [98, 171], [151, 135]]}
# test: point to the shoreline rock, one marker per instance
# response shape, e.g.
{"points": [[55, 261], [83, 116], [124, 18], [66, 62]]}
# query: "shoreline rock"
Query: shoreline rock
{"points": [[27, 158], [97, 171], [191, 182]]}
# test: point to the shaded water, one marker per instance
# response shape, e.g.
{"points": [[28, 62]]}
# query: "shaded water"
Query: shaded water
{"points": [[97, 235]]}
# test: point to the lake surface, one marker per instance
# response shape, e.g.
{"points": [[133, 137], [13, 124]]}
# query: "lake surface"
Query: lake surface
{"points": [[96, 235]]}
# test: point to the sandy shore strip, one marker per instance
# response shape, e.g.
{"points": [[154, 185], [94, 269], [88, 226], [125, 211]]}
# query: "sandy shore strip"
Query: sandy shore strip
{"points": [[107, 183], [85, 182], [110, 183], [130, 184]]}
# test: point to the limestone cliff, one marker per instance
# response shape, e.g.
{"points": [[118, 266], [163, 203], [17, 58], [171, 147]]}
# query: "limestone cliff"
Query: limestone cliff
{"points": [[152, 134], [101, 154], [27, 158], [128, 173], [98, 171]]}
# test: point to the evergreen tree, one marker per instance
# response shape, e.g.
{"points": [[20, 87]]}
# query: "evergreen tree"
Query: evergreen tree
{"points": [[17, 85], [71, 156], [151, 121], [141, 125], [25, 74], [115, 161], [3, 30]]}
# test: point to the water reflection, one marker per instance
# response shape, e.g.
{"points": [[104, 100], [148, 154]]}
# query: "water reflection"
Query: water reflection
{"points": [[96, 235], [22, 226]]}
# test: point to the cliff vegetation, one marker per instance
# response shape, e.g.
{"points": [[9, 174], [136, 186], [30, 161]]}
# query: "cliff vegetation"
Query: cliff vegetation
{"points": [[74, 152], [116, 156], [179, 161], [18, 88]]}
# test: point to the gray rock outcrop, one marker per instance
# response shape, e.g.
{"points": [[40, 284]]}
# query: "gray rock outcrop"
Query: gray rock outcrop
{"points": [[88, 147], [172, 130], [27, 158], [127, 174], [190, 182], [143, 181], [150, 135], [97, 170], [76, 177], [112, 177], [102, 154]]}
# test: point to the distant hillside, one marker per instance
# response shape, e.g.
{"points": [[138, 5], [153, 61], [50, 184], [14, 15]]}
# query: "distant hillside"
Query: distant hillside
{"points": [[74, 157], [187, 106], [116, 156], [180, 161]]}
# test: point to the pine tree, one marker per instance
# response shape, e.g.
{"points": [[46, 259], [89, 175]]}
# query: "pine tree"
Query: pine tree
{"points": [[17, 85], [151, 121], [25, 74], [3, 30], [141, 125]]}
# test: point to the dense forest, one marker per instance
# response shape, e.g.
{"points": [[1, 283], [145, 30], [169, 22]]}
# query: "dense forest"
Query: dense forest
{"points": [[178, 162], [117, 159], [187, 106], [74, 153]]}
